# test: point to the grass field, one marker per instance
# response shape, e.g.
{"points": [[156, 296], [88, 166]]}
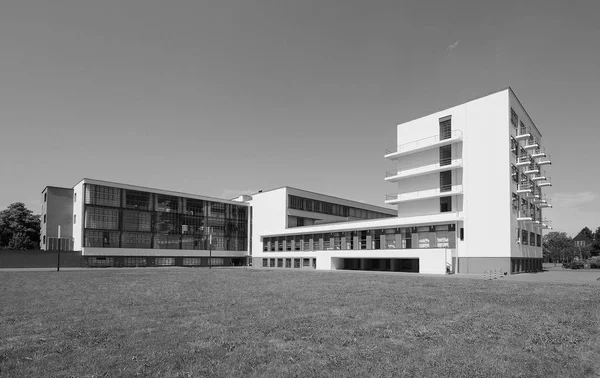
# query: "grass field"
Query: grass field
{"points": [[183, 322]]}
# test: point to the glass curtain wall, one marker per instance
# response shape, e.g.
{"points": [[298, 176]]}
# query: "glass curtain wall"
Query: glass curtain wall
{"points": [[123, 218]]}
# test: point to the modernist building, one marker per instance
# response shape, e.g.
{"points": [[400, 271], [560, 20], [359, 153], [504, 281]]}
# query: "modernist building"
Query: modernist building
{"points": [[469, 195], [469, 198], [116, 224]]}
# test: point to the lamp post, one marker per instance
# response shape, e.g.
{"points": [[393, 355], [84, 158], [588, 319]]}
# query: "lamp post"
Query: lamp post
{"points": [[58, 255], [209, 248]]}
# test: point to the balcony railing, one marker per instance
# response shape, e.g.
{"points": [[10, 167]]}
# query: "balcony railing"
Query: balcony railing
{"points": [[418, 169], [532, 168], [546, 182], [538, 152], [426, 142], [539, 176], [544, 160], [524, 188], [444, 190], [523, 160], [523, 133], [531, 143]]}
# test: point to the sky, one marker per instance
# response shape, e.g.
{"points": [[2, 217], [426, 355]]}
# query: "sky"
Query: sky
{"points": [[225, 97]]}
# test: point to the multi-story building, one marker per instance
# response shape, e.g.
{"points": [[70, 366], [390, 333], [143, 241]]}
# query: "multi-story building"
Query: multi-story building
{"points": [[56, 221], [115, 224], [469, 198]]}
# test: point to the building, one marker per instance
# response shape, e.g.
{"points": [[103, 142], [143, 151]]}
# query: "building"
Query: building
{"points": [[115, 224], [56, 223], [469, 198], [583, 238]]}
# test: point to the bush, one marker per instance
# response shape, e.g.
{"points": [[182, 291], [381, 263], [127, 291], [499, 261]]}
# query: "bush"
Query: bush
{"points": [[576, 265], [595, 264]]}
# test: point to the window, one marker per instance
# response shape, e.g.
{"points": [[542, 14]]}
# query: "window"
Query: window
{"points": [[514, 118], [102, 195], [316, 206], [539, 240], [265, 263], [74, 197], [296, 263], [514, 173], [74, 218], [514, 146], [445, 181], [288, 263], [445, 128], [445, 155], [45, 196], [44, 218], [272, 263], [532, 239], [137, 200], [525, 237], [44, 239], [445, 204], [280, 263], [101, 218], [305, 262], [515, 201], [462, 233]]}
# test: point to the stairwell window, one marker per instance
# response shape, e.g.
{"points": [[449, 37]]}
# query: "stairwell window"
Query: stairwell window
{"points": [[445, 181], [445, 155], [445, 127], [445, 204]]}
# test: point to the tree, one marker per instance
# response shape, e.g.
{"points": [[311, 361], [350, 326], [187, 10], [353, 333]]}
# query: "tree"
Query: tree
{"points": [[19, 228], [595, 248], [557, 246]]}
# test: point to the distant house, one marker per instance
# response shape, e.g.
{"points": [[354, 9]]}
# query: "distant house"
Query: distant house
{"points": [[583, 239]]}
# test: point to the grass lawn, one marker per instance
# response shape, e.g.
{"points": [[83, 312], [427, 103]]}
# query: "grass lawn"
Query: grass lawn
{"points": [[181, 322]]}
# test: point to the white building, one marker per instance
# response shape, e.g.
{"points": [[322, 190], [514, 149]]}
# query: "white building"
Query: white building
{"points": [[469, 195]]}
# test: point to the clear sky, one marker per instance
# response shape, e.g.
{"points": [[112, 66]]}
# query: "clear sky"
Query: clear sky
{"points": [[222, 97]]}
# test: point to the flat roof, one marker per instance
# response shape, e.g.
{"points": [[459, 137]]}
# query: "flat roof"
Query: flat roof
{"points": [[158, 191], [383, 209], [55, 187], [475, 99]]}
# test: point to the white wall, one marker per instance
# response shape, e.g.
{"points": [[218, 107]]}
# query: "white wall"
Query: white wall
{"points": [[78, 212], [268, 216], [487, 177]]}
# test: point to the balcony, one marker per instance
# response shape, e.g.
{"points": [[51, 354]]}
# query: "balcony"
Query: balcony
{"points": [[523, 161], [531, 144], [543, 201], [547, 224], [538, 152], [544, 160], [524, 218], [523, 133], [531, 168], [545, 182], [541, 176], [418, 170], [524, 188], [433, 141], [444, 191]]}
